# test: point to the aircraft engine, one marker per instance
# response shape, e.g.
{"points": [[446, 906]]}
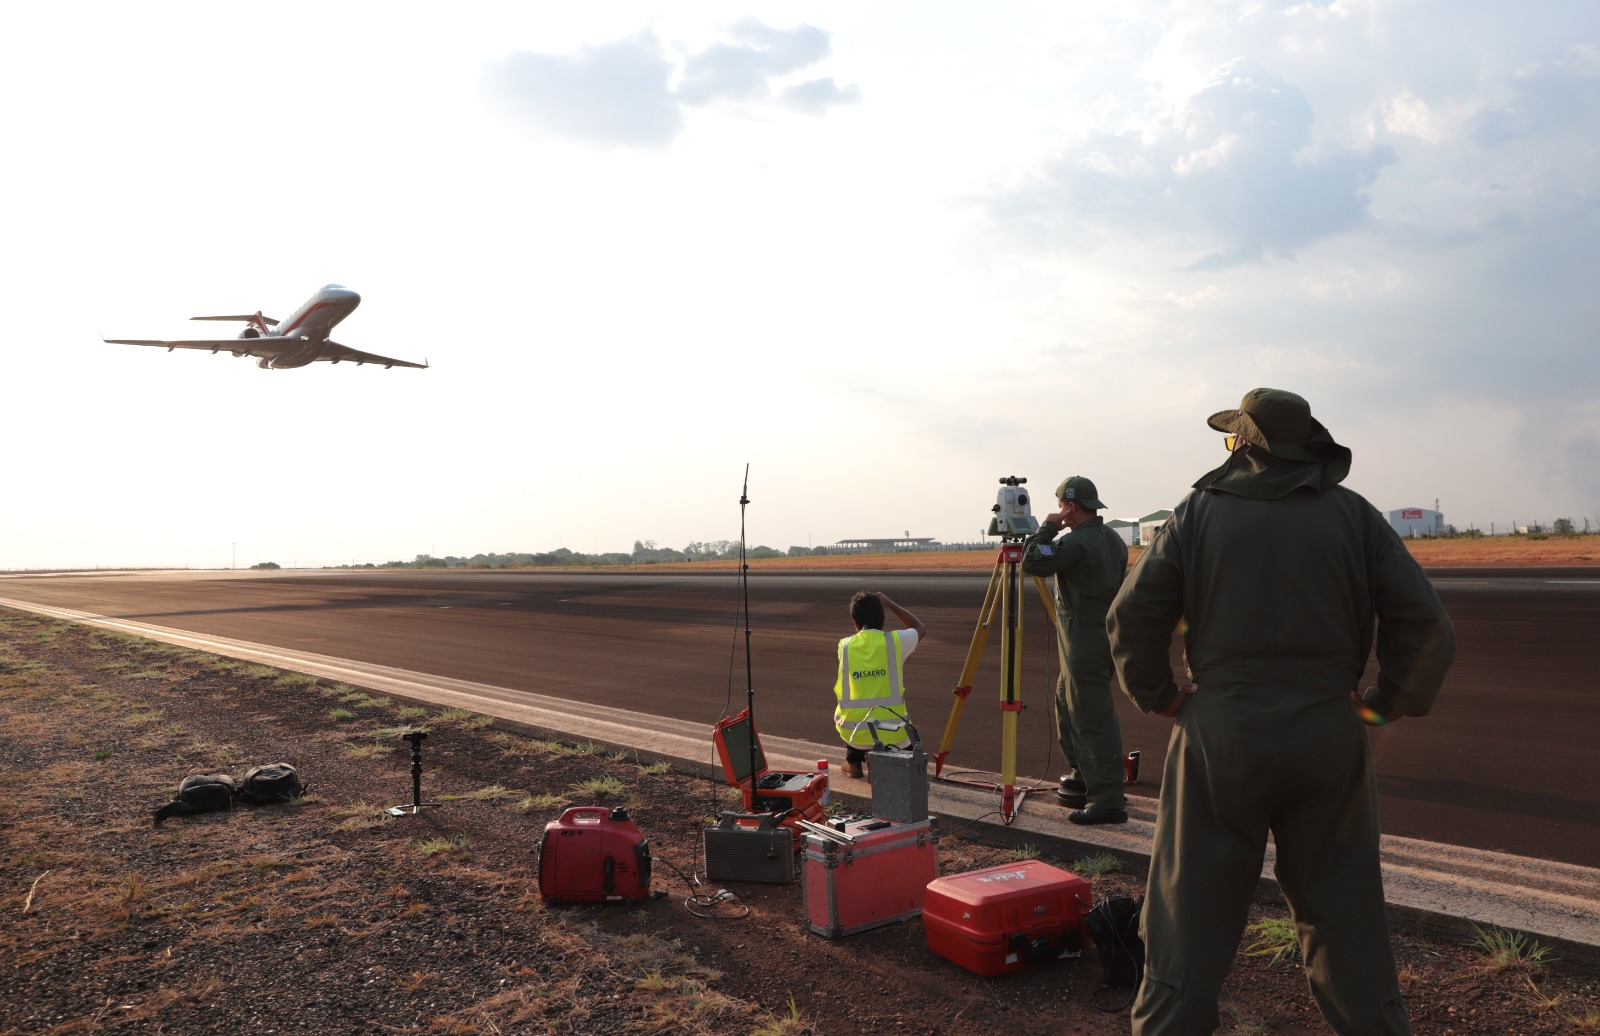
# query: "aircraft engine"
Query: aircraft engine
{"points": [[250, 332]]}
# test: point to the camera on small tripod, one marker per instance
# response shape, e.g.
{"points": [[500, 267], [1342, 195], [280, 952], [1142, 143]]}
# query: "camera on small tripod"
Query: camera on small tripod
{"points": [[1013, 512]]}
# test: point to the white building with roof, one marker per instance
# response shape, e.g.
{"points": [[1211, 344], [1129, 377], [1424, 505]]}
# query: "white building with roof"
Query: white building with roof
{"points": [[1416, 521]]}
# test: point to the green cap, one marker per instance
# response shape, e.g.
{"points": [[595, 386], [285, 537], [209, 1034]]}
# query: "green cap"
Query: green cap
{"points": [[1080, 489], [1279, 422]]}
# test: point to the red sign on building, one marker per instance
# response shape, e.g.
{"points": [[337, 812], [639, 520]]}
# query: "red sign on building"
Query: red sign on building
{"points": [[1410, 512]]}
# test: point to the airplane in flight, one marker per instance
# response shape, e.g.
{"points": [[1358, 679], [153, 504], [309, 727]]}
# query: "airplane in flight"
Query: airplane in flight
{"points": [[296, 342]]}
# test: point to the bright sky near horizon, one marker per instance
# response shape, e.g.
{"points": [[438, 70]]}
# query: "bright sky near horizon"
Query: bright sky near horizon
{"points": [[884, 254]]}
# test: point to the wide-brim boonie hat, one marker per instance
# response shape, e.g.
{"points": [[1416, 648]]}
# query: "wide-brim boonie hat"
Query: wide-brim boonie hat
{"points": [[1279, 422], [1080, 489]]}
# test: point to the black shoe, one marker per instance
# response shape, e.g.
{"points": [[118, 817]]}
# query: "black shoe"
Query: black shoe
{"points": [[1096, 815], [1072, 784]]}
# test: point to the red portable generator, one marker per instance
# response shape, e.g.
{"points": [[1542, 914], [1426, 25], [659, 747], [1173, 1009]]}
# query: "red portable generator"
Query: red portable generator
{"points": [[592, 854]]}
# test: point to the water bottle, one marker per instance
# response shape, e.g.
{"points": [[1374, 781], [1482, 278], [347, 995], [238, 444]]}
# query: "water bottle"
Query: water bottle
{"points": [[822, 768]]}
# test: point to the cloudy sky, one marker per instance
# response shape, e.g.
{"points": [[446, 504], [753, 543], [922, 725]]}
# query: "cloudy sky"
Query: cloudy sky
{"points": [[883, 254]]}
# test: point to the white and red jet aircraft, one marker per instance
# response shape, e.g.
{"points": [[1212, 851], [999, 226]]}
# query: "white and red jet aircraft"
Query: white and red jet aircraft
{"points": [[296, 342]]}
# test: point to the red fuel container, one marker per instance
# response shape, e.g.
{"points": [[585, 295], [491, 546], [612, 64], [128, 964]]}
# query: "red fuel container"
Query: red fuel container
{"points": [[592, 854], [1001, 919]]}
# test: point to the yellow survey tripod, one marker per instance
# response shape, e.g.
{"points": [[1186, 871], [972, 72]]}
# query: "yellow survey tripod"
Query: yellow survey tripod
{"points": [[1004, 593]]}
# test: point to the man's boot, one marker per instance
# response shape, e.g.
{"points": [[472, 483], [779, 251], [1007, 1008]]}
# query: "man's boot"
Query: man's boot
{"points": [[1072, 793], [851, 769]]}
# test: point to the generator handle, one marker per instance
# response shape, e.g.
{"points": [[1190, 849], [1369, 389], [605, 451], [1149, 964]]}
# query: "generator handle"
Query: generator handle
{"points": [[585, 814]]}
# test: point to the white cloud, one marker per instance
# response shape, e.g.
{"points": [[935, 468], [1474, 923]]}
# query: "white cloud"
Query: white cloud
{"points": [[627, 92], [611, 93]]}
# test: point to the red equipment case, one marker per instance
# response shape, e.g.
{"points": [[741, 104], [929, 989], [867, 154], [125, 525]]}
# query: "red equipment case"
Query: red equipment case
{"points": [[794, 795], [1002, 919], [877, 879], [591, 854]]}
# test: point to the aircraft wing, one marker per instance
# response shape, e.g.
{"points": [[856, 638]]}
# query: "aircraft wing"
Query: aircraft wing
{"points": [[335, 353], [265, 346]]}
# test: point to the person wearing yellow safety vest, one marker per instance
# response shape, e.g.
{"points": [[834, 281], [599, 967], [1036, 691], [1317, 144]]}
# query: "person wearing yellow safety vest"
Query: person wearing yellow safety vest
{"points": [[871, 677]]}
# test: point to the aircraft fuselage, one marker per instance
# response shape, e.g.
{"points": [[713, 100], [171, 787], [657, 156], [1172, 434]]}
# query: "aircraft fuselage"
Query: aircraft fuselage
{"points": [[313, 322]]}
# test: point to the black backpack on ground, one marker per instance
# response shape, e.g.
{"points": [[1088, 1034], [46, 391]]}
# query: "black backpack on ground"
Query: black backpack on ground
{"points": [[200, 793], [271, 784], [1113, 924]]}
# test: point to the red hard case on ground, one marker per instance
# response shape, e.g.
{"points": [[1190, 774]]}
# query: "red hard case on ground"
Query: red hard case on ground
{"points": [[793, 795], [1006, 918], [878, 879]]}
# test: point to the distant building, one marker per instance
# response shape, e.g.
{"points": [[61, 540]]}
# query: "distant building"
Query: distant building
{"points": [[1129, 531], [886, 545], [1416, 521], [1149, 524]]}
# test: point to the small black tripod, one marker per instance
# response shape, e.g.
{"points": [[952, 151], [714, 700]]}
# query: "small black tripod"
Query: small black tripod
{"points": [[416, 803]]}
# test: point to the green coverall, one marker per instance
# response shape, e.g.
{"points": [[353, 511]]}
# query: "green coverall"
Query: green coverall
{"points": [[1088, 565], [1280, 573]]}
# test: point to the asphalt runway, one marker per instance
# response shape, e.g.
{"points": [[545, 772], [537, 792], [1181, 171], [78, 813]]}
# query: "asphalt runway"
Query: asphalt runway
{"points": [[1505, 762]]}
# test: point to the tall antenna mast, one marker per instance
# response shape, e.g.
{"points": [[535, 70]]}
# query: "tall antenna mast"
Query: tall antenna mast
{"points": [[744, 602]]}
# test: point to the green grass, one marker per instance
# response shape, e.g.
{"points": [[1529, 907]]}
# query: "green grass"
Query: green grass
{"points": [[456, 846], [601, 787], [1096, 866], [340, 715], [1275, 938], [786, 1024], [1507, 950]]}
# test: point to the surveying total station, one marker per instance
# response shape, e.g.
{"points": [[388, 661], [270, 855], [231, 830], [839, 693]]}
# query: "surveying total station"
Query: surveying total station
{"points": [[1013, 522]]}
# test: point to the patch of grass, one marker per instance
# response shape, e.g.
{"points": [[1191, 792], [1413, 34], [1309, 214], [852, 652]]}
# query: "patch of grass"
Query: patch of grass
{"points": [[295, 680], [261, 672], [1506, 950], [363, 700], [1588, 1021], [1097, 866], [456, 846], [1019, 853], [340, 715], [787, 1024], [655, 769], [1275, 938], [452, 716], [493, 792], [600, 787], [367, 751], [411, 712], [478, 722], [357, 816], [142, 718], [542, 801]]}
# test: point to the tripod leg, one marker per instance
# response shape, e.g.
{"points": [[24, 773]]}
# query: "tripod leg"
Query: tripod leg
{"points": [[1010, 678], [980, 637]]}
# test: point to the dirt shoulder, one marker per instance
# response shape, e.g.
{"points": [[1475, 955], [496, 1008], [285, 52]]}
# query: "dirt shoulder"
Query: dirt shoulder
{"points": [[329, 916]]}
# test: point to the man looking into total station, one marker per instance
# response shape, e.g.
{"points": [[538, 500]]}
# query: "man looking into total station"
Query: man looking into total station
{"points": [[871, 680], [1282, 574], [1088, 566]]}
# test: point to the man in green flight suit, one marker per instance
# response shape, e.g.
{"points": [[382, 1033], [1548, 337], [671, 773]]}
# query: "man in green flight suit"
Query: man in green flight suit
{"points": [[1281, 574], [1088, 566]]}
